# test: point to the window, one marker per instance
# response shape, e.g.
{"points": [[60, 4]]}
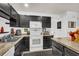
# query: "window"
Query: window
{"points": [[59, 25], [71, 24]]}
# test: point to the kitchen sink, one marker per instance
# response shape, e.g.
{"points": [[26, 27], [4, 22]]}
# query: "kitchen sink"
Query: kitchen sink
{"points": [[10, 38]]}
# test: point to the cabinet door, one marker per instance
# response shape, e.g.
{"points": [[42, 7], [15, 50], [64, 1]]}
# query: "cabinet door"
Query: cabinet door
{"points": [[24, 21], [57, 45], [12, 22], [57, 48], [69, 52], [13, 13], [5, 7], [10, 52], [46, 22], [18, 21]]}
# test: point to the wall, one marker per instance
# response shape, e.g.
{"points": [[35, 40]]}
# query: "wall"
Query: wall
{"points": [[6, 26], [63, 32]]}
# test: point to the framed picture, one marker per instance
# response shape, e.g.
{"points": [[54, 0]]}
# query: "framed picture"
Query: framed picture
{"points": [[59, 25], [71, 24]]}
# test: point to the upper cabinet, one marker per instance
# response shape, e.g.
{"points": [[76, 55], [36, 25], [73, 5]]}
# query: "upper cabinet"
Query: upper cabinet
{"points": [[15, 18], [13, 13], [25, 20], [46, 22], [8, 12], [5, 10]]}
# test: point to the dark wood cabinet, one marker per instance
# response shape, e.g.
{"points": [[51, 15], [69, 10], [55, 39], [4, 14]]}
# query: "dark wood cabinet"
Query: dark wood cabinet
{"points": [[47, 43], [24, 21], [19, 47], [69, 52], [12, 22], [18, 21], [5, 10], [13, 13], [8, 12], [62, 50], [27, 43], [22, 45], [46, 22], [14, 18], [58, 47]]}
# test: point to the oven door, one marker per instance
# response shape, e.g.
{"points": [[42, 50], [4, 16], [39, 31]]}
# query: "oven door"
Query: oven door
{"points": [[36, 43]]}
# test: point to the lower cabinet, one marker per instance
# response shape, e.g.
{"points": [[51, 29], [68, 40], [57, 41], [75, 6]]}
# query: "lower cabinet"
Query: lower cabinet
{"points": [[69, 52], [57, 45], [58, 49], [47, 42], [10, 52], [56, 52], [26, 43], [22, 45]]}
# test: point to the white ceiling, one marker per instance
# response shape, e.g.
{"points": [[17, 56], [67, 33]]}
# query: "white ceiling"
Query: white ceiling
{"points": [[47, 7]]}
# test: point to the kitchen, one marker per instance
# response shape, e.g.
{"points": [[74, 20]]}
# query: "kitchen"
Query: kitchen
{"points": [[39, 29]]}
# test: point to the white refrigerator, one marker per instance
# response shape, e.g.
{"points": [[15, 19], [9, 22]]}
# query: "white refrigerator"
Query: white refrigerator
{"points": [[36, 37]]}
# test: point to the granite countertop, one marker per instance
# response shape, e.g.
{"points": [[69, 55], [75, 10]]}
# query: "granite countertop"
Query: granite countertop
{"points": [[68, 43], [5, 46]]}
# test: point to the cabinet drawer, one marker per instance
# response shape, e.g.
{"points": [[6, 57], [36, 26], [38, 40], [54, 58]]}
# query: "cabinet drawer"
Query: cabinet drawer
{"points": [[69, 52]]}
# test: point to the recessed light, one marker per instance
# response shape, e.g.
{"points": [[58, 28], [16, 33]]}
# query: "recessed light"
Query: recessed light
{"points": [[26, 5]]}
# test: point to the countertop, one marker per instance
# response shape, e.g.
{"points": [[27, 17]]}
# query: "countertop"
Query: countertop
{"points": [[68, 43], [5, 46]]}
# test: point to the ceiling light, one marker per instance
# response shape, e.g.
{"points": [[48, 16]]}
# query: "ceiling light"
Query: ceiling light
{"points": [[26, 5]]}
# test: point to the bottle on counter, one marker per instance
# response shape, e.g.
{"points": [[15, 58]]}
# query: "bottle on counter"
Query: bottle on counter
{"points": [[2, 29]]}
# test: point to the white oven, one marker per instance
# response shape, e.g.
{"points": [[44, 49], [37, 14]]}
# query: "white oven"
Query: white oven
{"points": [[36, 37]]}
